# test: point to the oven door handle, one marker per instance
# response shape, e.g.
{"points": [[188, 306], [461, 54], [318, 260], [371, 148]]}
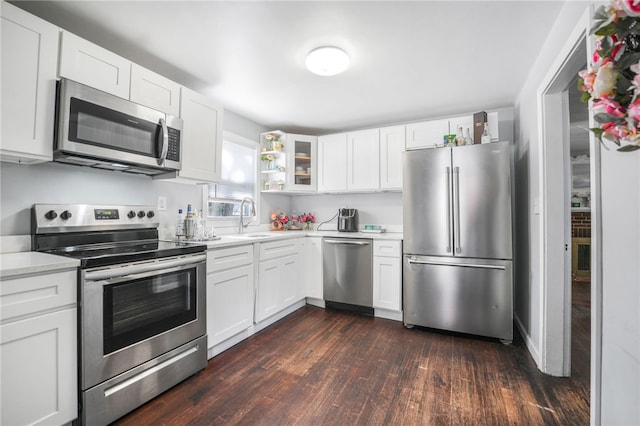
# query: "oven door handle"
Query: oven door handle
{"points": [[157, 266]]}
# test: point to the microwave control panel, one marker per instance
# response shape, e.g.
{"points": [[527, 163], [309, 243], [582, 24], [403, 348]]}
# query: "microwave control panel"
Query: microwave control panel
{"points": [[173, 153]]}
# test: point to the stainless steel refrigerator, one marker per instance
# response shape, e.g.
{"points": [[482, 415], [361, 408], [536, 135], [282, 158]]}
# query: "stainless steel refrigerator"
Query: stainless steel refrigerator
{"points": [[457, 263]]}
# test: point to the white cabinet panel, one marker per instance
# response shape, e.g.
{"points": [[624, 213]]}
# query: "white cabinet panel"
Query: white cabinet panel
{"points": [[289, 285], [38, 349], [87, 63], [29, 67], [39, 374], [278, 249], [392, 143], [227, 258], [427, 133], [311, 267], [363, 160], [387, 274], [155, 91], [387, 290], [269, 273], [201, 137], [332, 163], [32, 294], [229, 303]]}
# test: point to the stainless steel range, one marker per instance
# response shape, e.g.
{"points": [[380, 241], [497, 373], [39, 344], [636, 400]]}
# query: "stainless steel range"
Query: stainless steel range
{"points": [[142, 325]]}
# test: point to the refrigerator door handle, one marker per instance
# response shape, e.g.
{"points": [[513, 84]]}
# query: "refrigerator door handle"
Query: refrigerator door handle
{"points": [[456, 210], [449, 230], [413, 261]]}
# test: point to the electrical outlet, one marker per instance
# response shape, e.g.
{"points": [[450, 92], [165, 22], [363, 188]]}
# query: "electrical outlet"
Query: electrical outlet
{"points": [[162, 203]]}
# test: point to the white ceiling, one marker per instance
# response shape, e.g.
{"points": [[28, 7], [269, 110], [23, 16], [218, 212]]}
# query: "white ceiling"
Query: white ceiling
{"points": [[409, 60]]}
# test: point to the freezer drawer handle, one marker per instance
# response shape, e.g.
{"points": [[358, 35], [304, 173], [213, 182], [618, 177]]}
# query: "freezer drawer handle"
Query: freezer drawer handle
{"points": [[464, 265], [355, 243]]}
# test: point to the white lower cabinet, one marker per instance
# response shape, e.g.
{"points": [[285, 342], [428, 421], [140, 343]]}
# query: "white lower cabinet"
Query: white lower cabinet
{"points": [[387, 277], [230, 292], [278, 278], [311, 266], [38, 349]]}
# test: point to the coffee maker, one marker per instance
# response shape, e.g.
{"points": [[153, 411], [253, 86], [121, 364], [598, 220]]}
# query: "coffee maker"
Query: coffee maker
{"points": [[348, 220]]}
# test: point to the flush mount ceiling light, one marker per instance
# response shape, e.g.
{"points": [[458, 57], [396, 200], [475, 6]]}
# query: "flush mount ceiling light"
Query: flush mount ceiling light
{"points": [[327, 61]]}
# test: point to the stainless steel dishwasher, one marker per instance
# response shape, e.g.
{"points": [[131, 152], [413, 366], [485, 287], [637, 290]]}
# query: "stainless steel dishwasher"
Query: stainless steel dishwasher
{"points": [[347, 271]]}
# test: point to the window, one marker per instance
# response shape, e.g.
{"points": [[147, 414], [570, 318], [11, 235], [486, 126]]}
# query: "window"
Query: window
{"points": [[238, 178]]}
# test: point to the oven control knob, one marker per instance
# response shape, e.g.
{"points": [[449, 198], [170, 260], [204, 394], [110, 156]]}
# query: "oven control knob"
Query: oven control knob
{"points": [[150, 214], [141, 214], [65, 215], [51, 215], [131, 214]]}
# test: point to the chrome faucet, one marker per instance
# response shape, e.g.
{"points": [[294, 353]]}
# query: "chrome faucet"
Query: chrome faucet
{"points": [[253, 212]]}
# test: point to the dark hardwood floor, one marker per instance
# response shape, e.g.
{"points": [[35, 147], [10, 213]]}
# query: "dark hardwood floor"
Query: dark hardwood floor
{"points": [[327, 367]]}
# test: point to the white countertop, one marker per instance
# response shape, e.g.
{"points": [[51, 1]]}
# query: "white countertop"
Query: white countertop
{"points": [[33, 262], [266, 236]]}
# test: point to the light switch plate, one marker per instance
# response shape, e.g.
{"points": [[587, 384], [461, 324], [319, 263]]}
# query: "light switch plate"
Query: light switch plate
{"points": [[162, 203]]}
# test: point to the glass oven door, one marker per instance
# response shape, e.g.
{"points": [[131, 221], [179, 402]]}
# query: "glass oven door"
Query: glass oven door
{"points": [[136, 310], [133, 313]]}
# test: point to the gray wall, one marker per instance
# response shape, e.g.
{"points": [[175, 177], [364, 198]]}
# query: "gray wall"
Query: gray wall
{"points": [[22, 186]]}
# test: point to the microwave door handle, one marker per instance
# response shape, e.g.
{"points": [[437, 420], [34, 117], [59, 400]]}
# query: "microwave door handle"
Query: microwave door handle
{"points": [[164, 139]]}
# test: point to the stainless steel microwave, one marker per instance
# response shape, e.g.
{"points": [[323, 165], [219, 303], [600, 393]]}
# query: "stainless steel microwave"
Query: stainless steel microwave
{"points": [[100, 130]]}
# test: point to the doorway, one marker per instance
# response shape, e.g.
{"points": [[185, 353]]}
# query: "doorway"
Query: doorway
{"points": [[580, 233], [555, 211]]}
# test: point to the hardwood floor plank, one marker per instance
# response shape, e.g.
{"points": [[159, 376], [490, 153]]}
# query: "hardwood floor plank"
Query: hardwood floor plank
{"points": [[333, 368]]}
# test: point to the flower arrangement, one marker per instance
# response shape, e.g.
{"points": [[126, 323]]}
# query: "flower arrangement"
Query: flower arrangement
{"points": [[278, 221], [307, 219], [613, 80], [267, 157]]}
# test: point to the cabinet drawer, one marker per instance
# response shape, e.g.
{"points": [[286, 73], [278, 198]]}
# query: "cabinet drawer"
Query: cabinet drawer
{"points": [[32, 294], [391, 248], [276, 249], [226, 258]]}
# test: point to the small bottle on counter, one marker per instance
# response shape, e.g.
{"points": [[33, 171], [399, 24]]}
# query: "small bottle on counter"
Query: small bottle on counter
{"points": [[180, 225], [486, 136]]}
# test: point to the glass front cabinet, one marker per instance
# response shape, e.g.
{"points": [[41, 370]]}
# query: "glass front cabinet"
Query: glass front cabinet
{"points": [[287, 162]]}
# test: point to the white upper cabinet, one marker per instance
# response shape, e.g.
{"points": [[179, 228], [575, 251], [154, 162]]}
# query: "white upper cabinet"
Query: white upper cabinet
{"points": [[155, 91], [29, 65], [426, 133], [201, 137], [392, 142], [465, 121], [87, 63], [302, 150], [363, 160], [332, 163]]}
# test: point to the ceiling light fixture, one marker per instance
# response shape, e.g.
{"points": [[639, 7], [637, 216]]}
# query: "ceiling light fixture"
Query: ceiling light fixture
{"points": [[327, 61]]}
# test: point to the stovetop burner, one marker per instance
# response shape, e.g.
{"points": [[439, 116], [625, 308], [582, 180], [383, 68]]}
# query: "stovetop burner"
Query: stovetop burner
{"points": [[102, 235]]}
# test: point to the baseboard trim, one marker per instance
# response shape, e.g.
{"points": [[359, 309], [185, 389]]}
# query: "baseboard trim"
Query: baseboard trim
{"points": [[531, 347]]}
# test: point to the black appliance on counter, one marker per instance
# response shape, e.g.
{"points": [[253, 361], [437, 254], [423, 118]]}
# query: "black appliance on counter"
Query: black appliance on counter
{"points": [[348, 220], [141, 303]]}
